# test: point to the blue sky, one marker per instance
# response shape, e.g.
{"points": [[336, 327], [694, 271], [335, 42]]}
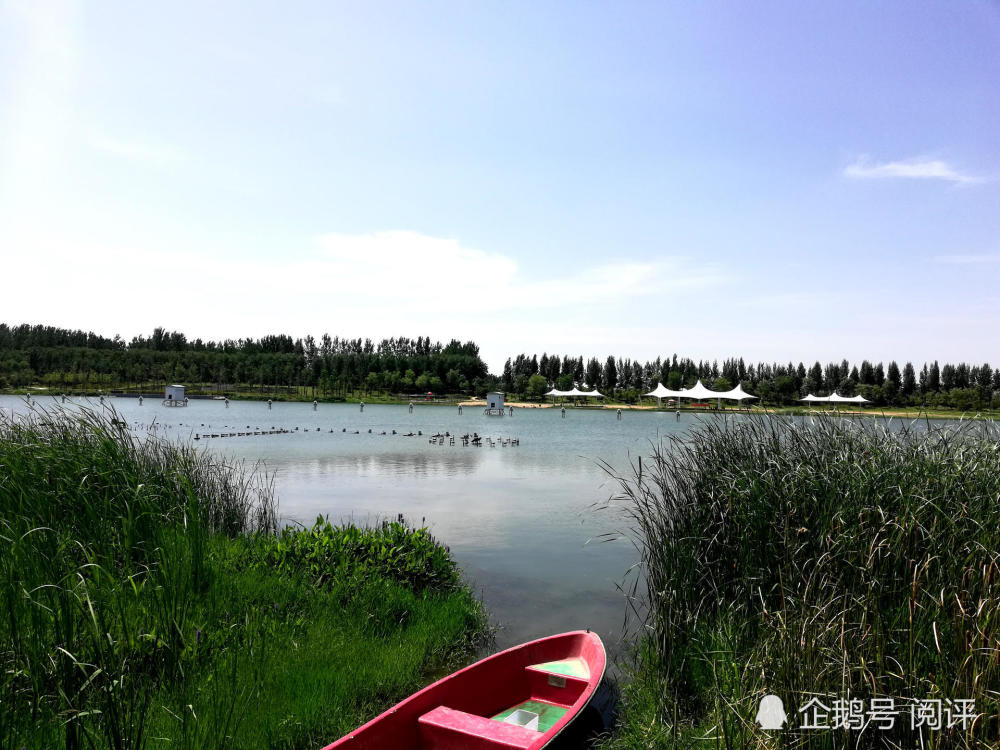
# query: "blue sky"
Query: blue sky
{"points": [[779, 181]]}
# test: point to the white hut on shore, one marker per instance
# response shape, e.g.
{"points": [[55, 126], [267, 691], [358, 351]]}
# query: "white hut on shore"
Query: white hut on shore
{"points": [[173, 395]]}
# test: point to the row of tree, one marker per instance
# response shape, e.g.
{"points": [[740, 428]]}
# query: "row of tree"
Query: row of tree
{"points": [[961, 385], [333, 365], [330, 365]]}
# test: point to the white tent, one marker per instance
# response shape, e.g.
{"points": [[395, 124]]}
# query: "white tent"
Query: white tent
{"points": [[849, 399], [836, 399], [699, 391], [736, 394], [575, 392], [661, 392]]}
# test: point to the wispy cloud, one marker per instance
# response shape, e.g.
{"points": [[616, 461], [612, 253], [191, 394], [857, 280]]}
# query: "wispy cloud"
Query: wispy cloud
{"points": [[909, 169], [156, 155], [379, 283], [968, 260]]}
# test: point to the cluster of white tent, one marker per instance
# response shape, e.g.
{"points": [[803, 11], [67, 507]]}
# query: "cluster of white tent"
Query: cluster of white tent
{"points": [[836, 399], [698, 392], [575, 392]]}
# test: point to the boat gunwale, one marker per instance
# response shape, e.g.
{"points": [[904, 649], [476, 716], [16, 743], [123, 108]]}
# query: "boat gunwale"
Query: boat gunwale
{"points": [[553, 733]]}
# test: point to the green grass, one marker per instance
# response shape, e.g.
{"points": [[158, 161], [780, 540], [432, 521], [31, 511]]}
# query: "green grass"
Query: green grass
{"points": [[146, 600], [829, 557]]}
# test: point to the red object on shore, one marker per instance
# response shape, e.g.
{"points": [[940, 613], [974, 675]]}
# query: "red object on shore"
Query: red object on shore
{"points": [[522, 698]]}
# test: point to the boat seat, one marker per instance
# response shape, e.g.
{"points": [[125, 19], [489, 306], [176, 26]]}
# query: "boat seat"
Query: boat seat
{"points": [[447, 729], [554, 686]]}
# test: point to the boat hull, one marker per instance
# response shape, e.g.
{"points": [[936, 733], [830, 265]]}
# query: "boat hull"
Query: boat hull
{"points": [[523, 698]]}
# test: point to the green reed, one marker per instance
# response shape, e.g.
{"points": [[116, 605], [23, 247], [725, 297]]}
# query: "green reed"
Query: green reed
{"points": [[147, 600], [841, 559]]}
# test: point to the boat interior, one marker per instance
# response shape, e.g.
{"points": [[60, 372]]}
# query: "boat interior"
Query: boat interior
{"points": [[529, 708]]}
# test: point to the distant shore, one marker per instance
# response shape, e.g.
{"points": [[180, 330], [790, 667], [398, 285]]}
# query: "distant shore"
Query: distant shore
{"points": [[456, 400]]}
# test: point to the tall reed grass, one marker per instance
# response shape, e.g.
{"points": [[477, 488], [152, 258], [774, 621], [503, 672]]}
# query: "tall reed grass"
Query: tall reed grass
{"points": [[96, 580], [814, 558], [147, 600]]}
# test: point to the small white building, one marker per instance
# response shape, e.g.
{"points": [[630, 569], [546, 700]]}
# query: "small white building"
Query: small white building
{"points": [[174, 393], [494, 400]]}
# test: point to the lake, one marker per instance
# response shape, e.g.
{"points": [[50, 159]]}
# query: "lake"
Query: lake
{"points": [[519, 519]]}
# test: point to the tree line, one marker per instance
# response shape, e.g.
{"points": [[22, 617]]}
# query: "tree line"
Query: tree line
{"points": [[66, 359], [962, 386], [332, 366]]}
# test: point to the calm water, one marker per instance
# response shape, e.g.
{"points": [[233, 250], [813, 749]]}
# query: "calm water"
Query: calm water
{"points": [[519, 519]]}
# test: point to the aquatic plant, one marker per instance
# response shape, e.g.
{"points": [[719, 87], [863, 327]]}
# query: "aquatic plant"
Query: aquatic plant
{"points": [[146, 598], [821, 557]]}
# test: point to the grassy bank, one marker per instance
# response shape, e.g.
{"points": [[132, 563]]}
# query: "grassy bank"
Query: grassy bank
{"points": [[831, 560], [146, 600]]}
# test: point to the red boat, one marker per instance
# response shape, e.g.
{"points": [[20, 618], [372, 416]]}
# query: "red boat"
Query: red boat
{"points": [[522, 698]]}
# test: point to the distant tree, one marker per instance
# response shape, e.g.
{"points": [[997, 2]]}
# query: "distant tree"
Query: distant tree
{"points": [[890, 390], [637, 381], [947, 377], [867, 373], [909, 380], [610, 375], [593, 373], [784, 387], [893, 373], [537, 386], [934, 377], [816, 376]]}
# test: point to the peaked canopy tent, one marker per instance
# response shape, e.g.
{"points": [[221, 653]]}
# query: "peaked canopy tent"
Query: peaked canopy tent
{"points": [[661, 392], [736, 394], [836, 399], [700, 391], [848, 399], [811, 398], [574, 393]]}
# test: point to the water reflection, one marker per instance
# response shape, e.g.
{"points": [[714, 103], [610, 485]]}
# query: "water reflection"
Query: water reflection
{"points": [[398, 464], [517, 518]]}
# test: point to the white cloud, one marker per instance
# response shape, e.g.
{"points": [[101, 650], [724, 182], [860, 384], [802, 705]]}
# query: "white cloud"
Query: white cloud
{"points": [[913, 169], [378, 284]]}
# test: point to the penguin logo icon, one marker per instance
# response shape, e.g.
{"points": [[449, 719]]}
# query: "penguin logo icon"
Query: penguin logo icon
{"points": [[771, 714]]}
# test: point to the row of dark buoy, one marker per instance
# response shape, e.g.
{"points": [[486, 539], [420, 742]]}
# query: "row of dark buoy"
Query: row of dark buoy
{"points": [[198, 436], [474, 439]]}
